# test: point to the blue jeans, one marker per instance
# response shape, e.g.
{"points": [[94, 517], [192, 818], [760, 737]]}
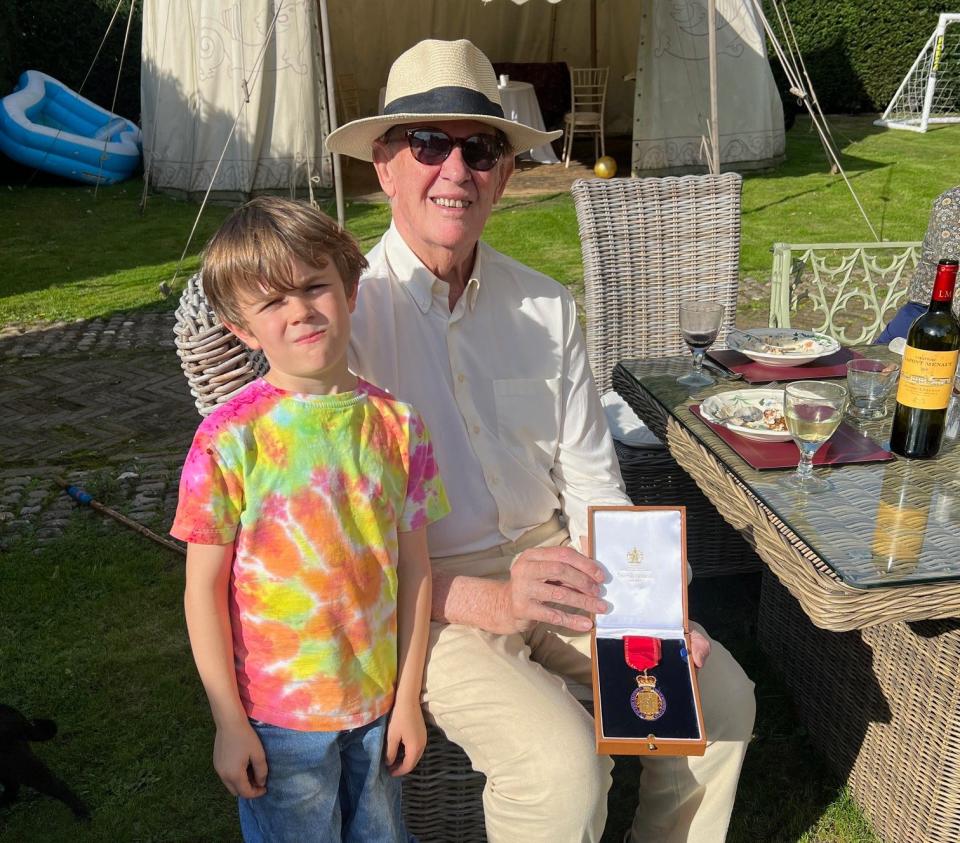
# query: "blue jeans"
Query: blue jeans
{"points": [[325, 787]]}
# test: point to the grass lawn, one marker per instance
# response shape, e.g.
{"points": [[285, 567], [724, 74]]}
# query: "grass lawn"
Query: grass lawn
{"points": [[70, 255], [92, 633]]}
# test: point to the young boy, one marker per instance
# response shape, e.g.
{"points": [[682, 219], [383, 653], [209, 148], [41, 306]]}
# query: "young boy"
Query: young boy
{"points": [[304, 501]]}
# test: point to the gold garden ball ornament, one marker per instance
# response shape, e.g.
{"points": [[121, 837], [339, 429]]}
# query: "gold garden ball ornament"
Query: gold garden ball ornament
{"points": [[605, 168]]}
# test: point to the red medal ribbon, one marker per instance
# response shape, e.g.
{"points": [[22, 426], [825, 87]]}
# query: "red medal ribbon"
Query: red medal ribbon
{"points": [[640, 652]]}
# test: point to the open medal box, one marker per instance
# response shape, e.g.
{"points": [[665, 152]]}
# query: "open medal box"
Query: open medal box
{"points": [[645, 694]]}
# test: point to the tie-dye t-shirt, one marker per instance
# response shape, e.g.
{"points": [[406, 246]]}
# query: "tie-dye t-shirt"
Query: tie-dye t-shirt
{"points": [[313, 489]]}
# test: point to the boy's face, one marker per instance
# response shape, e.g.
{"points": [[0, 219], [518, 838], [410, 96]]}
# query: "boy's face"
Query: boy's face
{"points": [[304, 332]]}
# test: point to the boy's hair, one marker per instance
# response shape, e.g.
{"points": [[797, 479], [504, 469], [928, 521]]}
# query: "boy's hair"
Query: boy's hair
{"points": [[255, 247]]}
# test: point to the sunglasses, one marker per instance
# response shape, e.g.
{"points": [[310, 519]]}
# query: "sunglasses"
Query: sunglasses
{"points": [[432, 147]]}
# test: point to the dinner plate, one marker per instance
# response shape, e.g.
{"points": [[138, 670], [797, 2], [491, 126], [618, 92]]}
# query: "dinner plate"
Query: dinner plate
{"points": [[742, 412], [793, 347]]}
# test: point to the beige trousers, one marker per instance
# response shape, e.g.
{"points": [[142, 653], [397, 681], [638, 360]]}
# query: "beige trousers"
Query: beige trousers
{"points": [[503, 698]]}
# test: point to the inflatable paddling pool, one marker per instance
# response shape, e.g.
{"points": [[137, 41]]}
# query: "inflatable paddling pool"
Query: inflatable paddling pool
{"points": [[44, 124]]}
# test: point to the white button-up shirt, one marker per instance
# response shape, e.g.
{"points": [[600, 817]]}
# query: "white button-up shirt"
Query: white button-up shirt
{"points": [[503, 384]]}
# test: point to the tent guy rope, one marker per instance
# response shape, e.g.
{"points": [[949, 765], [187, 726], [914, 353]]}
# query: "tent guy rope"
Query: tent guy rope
{"points": [[254, 71], [795, 76]]}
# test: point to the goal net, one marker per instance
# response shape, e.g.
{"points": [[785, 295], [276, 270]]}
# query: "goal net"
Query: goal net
{"points": [[930, 92]]}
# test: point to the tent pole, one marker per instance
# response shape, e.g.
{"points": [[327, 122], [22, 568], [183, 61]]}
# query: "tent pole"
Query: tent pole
{"points": [[712, 52], [331, 103], [593, 33], [553, 30]]}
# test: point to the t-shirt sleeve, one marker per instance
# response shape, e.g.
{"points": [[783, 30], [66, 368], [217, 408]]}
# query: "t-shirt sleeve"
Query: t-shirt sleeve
{"points": [[426, 500], [211, 497]]}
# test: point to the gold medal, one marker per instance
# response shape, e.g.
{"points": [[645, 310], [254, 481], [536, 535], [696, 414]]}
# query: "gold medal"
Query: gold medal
{"points": [[641, 653], [647, 701]]}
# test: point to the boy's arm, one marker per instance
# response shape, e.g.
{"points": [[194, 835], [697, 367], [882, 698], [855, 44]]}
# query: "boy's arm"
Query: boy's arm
{"points": [[406, 726], [238, 755]]}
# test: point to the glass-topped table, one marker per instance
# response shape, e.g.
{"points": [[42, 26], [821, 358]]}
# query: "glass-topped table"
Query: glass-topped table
{"points": [[870, 651], [844, 535], [847, 525]]}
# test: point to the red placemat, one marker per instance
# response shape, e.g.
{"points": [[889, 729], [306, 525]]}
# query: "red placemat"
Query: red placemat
{"points": [[845, 446], [833, 366]]}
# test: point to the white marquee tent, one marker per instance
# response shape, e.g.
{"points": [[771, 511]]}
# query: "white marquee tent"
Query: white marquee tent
{"points": [[196, 55]]}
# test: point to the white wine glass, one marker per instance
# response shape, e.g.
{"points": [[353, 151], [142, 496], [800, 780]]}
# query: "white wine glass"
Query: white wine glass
{"points": [[813, 410], [699, 325]]}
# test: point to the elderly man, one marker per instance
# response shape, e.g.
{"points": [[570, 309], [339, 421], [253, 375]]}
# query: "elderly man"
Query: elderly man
{"points": [[492, 355]]}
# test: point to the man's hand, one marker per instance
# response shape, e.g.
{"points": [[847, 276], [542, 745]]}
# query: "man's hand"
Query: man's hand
{"points": [[546, 582], [239, 760], [699, 648], [406, 739]]}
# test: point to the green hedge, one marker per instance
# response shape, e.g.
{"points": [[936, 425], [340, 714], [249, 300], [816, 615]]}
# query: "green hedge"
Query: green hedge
{"points": [[858, 51], [61, 37], [8, 27]]}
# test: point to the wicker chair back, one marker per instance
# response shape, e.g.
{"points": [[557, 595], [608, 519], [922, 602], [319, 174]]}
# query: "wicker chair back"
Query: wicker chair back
{"points": [[216, 364], [648, 245]]}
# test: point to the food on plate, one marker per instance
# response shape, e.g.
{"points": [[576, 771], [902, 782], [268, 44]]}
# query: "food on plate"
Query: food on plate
{"points": [[774, 419], [782, 346], [755, 414], [796, 347]]}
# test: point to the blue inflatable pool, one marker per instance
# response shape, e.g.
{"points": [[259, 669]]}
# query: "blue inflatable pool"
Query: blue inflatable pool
{"points": [[44, 124]]}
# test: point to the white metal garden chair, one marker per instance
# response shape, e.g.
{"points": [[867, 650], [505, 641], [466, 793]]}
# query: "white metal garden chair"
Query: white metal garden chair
{"points": [[588, 97]]}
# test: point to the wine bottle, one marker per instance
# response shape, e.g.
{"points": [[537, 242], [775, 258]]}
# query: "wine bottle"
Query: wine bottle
{"points": [[929, 366]]}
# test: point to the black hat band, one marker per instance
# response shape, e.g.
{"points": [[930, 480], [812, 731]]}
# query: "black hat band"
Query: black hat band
{"points": [[449, 99]]}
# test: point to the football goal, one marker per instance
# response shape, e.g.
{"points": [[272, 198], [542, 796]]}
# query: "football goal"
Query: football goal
{"points": [[930, 92]]}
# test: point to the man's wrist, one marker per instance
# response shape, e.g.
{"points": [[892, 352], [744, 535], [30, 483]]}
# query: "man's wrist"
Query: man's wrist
{"points": [[504, 618]]}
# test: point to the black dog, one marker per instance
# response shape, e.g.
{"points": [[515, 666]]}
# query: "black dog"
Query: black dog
{"points": [[18, 764]]}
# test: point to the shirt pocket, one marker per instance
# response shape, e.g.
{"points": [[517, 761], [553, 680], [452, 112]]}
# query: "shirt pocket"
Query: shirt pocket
{"points": [[528, 415]]}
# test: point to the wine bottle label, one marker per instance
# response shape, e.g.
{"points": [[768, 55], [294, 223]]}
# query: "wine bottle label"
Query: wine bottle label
{"points": [[926, 378]]}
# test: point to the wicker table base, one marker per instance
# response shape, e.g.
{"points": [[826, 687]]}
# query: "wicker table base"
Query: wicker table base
{"points": [[883, 706]]}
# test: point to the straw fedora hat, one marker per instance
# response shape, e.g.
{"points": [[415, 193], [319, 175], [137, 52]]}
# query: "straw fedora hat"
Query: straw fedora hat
{"points": [[436, 80]]}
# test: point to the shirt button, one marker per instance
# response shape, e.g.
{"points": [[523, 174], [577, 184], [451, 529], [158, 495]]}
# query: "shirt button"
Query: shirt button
{"points": [[461, 378], [476, 428], [494, 481]]}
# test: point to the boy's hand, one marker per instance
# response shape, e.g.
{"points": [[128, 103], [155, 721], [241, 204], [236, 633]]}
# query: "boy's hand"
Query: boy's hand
{"points": [[406, 739], [240, 761]]}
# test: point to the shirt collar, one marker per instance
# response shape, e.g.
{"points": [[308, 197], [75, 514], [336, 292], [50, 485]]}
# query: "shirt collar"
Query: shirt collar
{"points": [[416, 278]]}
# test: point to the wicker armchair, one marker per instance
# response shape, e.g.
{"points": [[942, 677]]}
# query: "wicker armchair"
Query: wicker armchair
{"points": [[649, 244], [216, 364]]}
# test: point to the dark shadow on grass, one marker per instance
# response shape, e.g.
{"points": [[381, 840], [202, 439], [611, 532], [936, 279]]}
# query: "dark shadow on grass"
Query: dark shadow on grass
{"points": [[805, 153], [838, 184]]}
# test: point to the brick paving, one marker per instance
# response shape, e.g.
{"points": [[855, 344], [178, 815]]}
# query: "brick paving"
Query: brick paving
{"points": [[101, 403]]}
